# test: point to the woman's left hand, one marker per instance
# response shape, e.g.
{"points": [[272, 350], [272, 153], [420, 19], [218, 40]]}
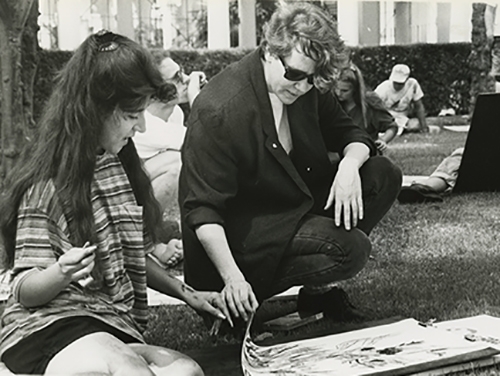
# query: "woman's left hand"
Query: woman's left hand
{"points": [[346, 193], [210, 302]]}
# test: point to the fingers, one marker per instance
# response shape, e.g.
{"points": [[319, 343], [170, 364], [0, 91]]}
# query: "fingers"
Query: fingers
{"points": [[329, 200], [347, 216], [214, 311], [240, 300], [361, 210], [77, 255], [254, 302], [217, 307], [350, 211], [237, 305], [197, 79], [77, 262], [83, 273], [337, 213]]}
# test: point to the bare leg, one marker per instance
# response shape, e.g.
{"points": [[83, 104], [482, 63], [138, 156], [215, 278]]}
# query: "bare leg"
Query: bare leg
{"points": [[164, 169], [169, 254], [436, 183], [165, 361], [162, 162], [98, 354], [101, 354]]}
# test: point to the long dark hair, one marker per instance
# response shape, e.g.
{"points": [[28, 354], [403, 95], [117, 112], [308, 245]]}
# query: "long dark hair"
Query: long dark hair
{"points": [[107, 72]]}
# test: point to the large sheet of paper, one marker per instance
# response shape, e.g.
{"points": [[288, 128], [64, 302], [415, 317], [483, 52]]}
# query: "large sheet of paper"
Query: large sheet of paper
{"points": [[405, 347]]}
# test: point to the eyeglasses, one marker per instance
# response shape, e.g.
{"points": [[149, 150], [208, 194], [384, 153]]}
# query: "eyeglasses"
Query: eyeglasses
{"points": [[178, 77], [292, 74]]}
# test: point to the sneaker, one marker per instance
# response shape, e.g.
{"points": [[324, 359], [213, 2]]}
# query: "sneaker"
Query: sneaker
{"points": [[417, 193], [334, 304]]}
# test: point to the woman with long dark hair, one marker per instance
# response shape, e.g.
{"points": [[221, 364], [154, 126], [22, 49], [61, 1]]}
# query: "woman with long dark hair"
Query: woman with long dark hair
{"points": [[79, 219]]}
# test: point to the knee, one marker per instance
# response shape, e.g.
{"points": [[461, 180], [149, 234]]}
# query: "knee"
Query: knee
{"points": [[98, 353], [133, 365], [383, 174], [386, 169], [357, 250], [188, 367], [182, 367]]}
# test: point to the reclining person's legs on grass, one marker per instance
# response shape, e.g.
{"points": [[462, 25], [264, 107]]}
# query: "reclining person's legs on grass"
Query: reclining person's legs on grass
{"points": [[103, 354]]}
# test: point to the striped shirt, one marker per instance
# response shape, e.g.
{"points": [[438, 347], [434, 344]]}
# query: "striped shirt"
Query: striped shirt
{"points": [[122, 244]]}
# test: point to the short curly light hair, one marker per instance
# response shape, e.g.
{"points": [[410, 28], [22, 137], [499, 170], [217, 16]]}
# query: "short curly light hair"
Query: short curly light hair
{"points": [[314, 32]]}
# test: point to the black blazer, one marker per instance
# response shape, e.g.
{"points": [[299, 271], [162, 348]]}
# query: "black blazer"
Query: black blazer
{"points": [[235, 172]]}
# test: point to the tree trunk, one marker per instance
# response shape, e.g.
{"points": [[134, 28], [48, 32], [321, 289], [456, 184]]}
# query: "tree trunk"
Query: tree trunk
{"points": [[480, 58], [16, 80]]}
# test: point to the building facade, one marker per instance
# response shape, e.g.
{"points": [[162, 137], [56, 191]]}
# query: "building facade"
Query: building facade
{"points": [[177, 23]]}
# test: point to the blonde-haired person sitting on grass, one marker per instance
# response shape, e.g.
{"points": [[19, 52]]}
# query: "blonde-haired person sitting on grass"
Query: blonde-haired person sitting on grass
{"points": [[365, 107]]}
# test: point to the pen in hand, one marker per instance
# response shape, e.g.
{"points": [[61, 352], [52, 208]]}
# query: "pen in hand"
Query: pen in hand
{"points": [[84, 282]]}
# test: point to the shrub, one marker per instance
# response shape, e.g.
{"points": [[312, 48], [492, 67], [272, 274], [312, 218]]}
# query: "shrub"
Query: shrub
{"points": [[50, 63], [209, 61], [441, 69]]}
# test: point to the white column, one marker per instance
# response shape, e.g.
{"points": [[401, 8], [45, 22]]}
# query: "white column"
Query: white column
{"points": [[104, 14], [460, 22], [144, 15], [419, 22], [496, 30], [432, 27], [247, 35], [71, 29], [489, 20], [124, 18], [218, 24], [47, 10], [348, 25], [167, 24], [387, 23]]}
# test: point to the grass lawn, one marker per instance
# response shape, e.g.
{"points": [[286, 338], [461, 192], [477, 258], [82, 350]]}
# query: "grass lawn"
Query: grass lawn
{"points": [[438, 261]]}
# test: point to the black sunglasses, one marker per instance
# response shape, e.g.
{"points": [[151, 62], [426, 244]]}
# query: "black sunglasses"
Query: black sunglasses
{"points": [[292, 74]]}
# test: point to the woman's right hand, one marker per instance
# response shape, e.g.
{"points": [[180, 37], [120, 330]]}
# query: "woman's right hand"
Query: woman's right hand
{"points": [[240, 299], [196, 81], [77, 263]]}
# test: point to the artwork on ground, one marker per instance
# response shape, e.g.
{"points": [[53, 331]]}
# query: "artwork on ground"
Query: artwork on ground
{"points": [[401, 348]]}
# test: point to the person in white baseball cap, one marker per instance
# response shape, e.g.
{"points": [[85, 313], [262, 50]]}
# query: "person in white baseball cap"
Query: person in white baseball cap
{"points": [[402, 95]]}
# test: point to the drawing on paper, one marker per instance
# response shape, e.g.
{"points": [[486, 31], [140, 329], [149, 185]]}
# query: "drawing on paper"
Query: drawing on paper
{"points": [[362, 352]]}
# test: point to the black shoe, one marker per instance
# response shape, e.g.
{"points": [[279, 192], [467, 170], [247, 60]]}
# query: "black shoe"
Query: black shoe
{"points": [[334, 304], [417, 193], [309, 304]]}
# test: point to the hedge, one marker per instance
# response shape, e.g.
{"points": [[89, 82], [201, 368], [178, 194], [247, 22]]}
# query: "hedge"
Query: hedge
{"points": [[441, 69]]}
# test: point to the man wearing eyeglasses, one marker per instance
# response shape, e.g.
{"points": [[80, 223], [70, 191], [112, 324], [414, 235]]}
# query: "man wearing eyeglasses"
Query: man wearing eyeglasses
{"points": [[262, 207], [160, 145]]}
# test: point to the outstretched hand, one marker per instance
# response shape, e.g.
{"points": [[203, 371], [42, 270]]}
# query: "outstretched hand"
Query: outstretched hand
{"points": [[210, 302]]}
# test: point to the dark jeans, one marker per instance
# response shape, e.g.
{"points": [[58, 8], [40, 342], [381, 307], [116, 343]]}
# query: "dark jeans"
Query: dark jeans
{"points": [[321, 253]]}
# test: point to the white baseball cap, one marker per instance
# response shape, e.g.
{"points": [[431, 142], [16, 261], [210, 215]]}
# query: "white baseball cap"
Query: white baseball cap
{"points": [[400, 73]]}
